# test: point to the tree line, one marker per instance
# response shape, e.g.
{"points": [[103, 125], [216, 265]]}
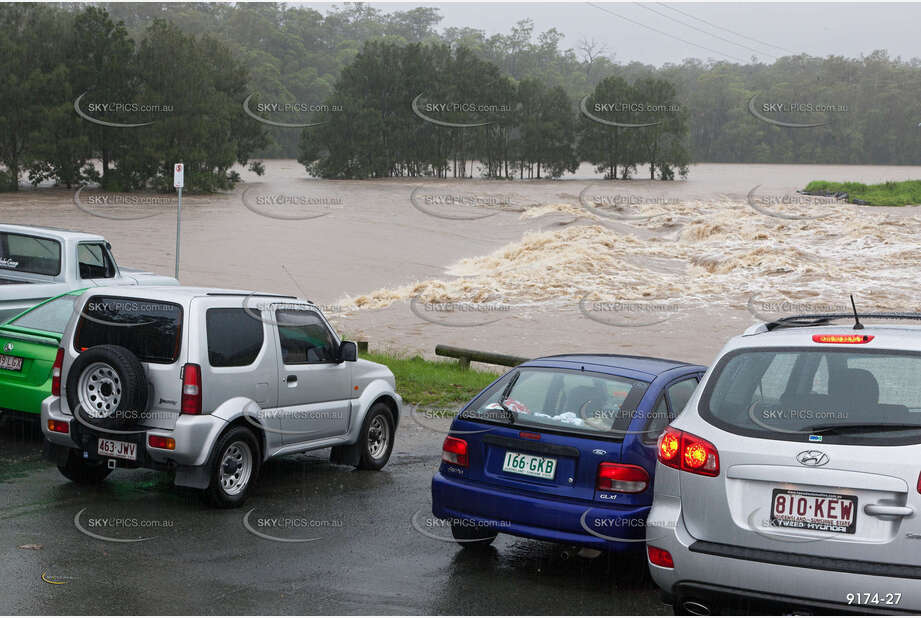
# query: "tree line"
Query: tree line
{"points": [[74, 87], [437, 110], [200, 60]]}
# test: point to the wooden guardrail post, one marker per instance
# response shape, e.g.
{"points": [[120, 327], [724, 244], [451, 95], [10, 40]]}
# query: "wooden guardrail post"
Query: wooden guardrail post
{"points": [[465, 356]]}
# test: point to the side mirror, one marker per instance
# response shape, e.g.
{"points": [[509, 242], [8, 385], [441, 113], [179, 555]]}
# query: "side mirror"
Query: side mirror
{"points": [[348, 352]]}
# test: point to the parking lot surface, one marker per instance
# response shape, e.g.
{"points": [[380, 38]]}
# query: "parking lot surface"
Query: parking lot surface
{"points": [[314, 538]]}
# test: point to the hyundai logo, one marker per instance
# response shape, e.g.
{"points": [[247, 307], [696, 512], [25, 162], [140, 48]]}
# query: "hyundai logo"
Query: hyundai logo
{"points": [[812, 458], [8, 347]]}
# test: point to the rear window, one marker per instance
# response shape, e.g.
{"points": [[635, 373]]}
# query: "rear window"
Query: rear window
{"points": [[30, 254], [844, 396], [50, 317], [235, 336], [151, 329], [571, 401]]}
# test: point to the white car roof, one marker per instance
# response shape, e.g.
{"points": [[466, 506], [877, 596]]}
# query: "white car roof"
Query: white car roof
{"points": [[181, 293], [884, 336], [50, 232]]}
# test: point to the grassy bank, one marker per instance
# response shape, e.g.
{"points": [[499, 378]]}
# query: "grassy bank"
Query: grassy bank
{"points": [[425, 383], [904, 193]]}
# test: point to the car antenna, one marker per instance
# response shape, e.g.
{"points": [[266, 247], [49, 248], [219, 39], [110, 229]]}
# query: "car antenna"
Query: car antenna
{"points": [[857, 324]]}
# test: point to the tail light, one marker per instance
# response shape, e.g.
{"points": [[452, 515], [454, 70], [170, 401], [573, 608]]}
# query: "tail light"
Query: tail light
{"points": [[161, 442], [685, 451], [454, 451], [191, 389], [58, 426], [622, 478], [660, 557], [56, 373]]}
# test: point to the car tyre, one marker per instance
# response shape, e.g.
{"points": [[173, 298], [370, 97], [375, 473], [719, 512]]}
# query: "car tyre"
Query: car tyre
{"points": [[376, 439], [103, 383], [83, 471], [234, 468], [473, 537]]}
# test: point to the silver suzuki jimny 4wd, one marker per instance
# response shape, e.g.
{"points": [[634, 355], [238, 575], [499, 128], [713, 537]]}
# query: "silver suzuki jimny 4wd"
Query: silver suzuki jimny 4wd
{"points": [[210, 383]]}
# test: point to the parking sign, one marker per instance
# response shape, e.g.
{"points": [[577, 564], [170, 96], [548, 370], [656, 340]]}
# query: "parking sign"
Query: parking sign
{"points": [[178, 176]]}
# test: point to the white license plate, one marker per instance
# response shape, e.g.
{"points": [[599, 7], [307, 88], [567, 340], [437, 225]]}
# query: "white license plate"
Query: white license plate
{"points": [[809, 510], [117, 448], [529, 465], [12, 363]]}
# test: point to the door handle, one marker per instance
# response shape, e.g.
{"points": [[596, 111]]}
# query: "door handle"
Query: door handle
{"points": [[291, 380], [888, 509]]}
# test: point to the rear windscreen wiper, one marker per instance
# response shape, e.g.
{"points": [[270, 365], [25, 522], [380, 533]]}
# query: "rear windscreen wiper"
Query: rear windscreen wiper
{"points": [[861, 427], [512, 417]]}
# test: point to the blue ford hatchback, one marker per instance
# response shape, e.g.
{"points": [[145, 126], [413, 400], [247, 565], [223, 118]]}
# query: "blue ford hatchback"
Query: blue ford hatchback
{"points": [[561, 449]]}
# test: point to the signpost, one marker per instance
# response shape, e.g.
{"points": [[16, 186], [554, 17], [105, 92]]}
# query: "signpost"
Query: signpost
{"points": [[178, 182]]}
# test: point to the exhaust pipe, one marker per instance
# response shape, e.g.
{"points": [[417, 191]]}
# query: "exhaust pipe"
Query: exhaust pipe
{"points": [[696, 608], [568, 552]]}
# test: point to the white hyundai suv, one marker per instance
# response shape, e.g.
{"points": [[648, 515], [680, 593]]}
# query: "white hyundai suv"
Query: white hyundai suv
{"points": [[210, 383], [791, 482]]}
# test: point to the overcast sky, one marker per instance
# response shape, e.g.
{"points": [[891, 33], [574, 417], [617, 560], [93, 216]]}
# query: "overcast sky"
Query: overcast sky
{"points": [[820, 29]]}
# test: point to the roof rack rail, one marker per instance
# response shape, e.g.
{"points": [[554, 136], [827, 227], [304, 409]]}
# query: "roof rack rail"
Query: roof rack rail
{"points": [[819, 319], [251, 294]]}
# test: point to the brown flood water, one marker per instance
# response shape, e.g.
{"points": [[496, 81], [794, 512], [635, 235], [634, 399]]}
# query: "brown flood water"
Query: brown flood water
{"points": [[672, 269]]}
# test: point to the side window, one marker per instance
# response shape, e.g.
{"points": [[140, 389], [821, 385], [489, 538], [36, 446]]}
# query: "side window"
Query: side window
{"points": [[304, 338], [680, 393], [95, 262], [235, 337], [656, 424]]}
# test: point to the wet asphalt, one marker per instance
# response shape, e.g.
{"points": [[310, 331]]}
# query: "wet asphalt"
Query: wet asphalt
{"points": [[313, 538]]}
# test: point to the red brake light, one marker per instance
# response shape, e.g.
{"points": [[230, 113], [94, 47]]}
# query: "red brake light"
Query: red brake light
{"points": [[454, 451], [161, 442], [660, 557], [56, 373], [58, 426], [842, 338], [685, 451], [668, 446], [622, 478], [191, 389]]}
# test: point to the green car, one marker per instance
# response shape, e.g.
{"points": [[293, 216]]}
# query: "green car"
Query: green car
{"points": [[29, 342]]}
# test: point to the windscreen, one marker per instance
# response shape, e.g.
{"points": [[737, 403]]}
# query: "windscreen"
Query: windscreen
{"points": [[572, 401], [845, 395]]}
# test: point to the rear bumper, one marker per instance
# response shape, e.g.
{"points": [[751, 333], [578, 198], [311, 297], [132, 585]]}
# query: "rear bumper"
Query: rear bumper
{"points": [[20, 397], [194, 436], [730, 578], [541, 518]]}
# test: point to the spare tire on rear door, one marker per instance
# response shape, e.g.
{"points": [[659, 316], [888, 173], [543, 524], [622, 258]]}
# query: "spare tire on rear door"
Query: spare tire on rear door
{"points": [[107, 387]]}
